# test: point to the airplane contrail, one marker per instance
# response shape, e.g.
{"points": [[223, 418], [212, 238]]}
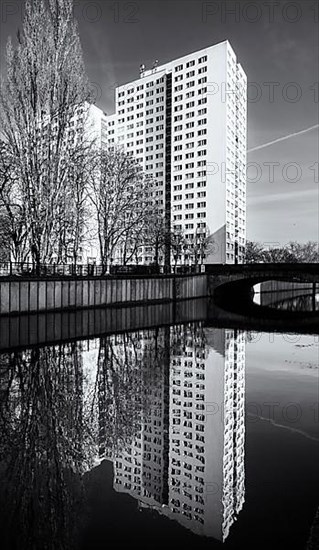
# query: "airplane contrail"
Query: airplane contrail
{"points": [[283, 138]]}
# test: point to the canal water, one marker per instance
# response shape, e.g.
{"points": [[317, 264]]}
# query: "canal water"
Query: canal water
{"points": [[204, 436]]}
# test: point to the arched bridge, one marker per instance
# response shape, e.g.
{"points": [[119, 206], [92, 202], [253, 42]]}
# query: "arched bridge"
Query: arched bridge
{"points": [[231, 286]]}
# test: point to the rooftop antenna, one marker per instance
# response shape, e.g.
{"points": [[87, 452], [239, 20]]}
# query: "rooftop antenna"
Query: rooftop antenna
{"points": [[142, 69], [155, 65]]}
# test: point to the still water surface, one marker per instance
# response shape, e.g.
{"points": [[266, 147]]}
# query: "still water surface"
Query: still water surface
{"points": [[188, 433]]}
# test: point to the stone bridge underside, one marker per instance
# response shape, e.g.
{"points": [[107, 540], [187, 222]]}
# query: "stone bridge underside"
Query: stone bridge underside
{"points": [[231, 288]]}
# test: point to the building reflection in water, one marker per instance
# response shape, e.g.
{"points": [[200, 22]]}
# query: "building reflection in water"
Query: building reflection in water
{"points": [[171, 419]]}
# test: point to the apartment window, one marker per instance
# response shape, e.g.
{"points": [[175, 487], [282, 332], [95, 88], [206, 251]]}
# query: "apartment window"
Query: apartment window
{"points": [[190, 104], [189, 135], [178, 88], [179, 97], [178, 187], [202, 80], [178, 108], [202, 142], [189, 145], [190, 84], [202, 121], [202, 111], [189, 206], [202, 101], [159, 117], [202, 70], [178, 78], [160, 108], [201, 174], [190, 125], [202, 59], [202, 153], [201, 204], [189, 185], [201, 163], [189, 196], [190, 74], [189, 165], [189, 216], [178, 147], [201, 194], [201, 184], [178, 157], [202, 91], [178, 138], [178, 68], [178, 128], [178, 118], [189, 155], [190, 63], [190, 94], [202, 132], [178, 198]]}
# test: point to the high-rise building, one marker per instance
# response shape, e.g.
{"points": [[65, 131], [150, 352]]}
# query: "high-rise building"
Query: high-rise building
{"points": [[185, 121]]}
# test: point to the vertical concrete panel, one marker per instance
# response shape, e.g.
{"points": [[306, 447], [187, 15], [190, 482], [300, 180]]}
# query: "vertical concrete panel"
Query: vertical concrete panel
{"points": [[128, 290], [79, 301], [50, 295], [65, 294], [14, 298], [42, 295], [102, 292], [72, 294], [108, 291], [92, 293], [85, 298], [34, 289], [97, 292], [4, 297], [113, 291], [58, 294], [24, 296], [124, 299], [118, 291], [133, 289]]}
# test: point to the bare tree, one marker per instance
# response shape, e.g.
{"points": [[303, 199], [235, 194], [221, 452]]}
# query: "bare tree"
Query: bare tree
{"points": [[42, 104], [12, 210], [197, 246], [118, 193]]}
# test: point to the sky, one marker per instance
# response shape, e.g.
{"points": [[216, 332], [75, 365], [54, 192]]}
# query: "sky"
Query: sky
{"points": [[277, 44]]}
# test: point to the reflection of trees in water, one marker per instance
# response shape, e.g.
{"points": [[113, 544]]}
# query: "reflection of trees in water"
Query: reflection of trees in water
{"points": [[188, 335], [44, 446], [129, 367], [299, 303]]}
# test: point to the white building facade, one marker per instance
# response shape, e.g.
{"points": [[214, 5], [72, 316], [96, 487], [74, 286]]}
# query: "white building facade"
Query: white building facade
{"points": [[185, 122]]}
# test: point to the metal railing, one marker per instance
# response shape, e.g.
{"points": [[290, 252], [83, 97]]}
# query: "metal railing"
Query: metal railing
{"points": [[28, 269]]}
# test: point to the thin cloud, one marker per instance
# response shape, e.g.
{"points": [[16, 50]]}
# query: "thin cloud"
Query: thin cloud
{"points": [[283, 138]]}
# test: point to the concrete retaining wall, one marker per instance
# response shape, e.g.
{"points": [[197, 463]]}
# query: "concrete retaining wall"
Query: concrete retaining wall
{"points": [[27, 296]]}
